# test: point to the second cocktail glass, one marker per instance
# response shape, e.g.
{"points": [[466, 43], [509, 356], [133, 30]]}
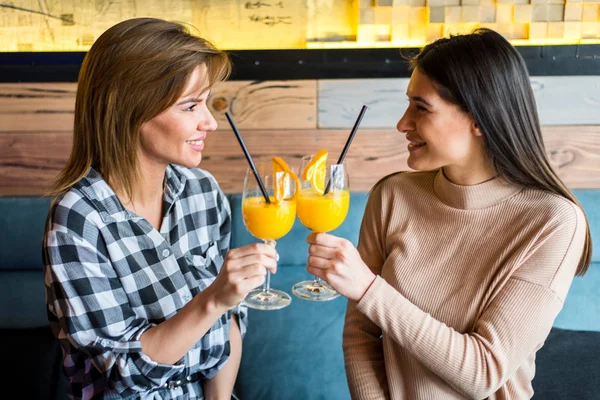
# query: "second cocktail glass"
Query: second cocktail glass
{"points": [[322, 206]]}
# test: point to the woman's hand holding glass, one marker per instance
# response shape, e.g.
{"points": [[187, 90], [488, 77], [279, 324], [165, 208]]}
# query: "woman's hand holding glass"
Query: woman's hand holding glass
{"points": [[322, 204], [243, 270], [338, 262]]}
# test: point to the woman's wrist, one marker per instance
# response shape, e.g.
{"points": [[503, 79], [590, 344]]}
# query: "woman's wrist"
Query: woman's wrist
{"points": [[368, 282], [207, 303]]}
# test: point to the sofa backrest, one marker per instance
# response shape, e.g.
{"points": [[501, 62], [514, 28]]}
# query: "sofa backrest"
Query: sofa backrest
{"points": [[22, 223], [293, 350]]}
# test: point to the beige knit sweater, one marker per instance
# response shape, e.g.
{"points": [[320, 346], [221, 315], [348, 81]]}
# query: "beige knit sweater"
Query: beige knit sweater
{"points": [[470, 280]]}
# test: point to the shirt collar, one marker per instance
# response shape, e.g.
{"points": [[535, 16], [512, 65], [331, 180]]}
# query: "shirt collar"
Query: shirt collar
{"points": [[482, 195], [95, 189]]}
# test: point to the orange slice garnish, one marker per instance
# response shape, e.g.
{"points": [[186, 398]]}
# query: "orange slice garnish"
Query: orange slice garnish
{"points": [[282, 174], [316, 170]]}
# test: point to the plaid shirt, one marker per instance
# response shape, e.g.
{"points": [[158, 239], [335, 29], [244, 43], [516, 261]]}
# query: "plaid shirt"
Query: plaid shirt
{"points": [[109, 276]]}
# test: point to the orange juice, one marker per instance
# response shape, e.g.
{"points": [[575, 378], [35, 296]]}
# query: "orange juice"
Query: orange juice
{"points": [[268, 221], [323, 213]]}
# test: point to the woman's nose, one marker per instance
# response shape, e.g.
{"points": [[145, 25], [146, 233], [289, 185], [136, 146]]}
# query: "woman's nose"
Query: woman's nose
{"points": [[207, 122], [404, 124]]}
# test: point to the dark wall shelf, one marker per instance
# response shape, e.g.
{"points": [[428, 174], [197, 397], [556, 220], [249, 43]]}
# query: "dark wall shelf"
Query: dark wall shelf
{"points": [[567, 60]]}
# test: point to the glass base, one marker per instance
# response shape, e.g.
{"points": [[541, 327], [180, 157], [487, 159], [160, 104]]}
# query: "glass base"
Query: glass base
{"points": [[271, 300], [315, 291]]}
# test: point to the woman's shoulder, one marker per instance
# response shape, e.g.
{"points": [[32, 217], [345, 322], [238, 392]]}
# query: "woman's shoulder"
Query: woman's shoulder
{"points": [[404, 179], [73, 211], [551, 206]]}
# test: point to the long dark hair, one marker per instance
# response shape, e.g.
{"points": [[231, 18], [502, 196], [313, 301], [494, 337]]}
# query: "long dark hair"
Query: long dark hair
{"points": [[484, 74]]}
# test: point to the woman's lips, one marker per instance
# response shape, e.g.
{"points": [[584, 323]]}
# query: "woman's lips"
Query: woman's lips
{"points": [[196, 144], [414, 146]]}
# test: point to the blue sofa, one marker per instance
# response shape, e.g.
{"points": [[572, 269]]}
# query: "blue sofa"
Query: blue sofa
{"points": [[293, 353]]}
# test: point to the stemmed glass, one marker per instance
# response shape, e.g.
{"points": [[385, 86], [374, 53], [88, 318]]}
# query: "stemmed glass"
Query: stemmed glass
{"points": [[269, 221], [322, 207]]}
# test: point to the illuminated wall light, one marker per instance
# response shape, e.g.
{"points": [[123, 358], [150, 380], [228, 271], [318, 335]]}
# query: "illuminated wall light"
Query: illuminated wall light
{"points": [[369, 23]]}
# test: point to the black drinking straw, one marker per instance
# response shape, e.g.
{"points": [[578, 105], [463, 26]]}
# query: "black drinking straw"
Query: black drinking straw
{"points": [[248, 157], [347, 145]]}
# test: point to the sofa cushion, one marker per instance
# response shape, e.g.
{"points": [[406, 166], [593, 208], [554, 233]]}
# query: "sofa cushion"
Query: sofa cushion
{"points": [[581, 310], [295, 352], [22, 220], [23, 300], [591, 205], [568, 366]]}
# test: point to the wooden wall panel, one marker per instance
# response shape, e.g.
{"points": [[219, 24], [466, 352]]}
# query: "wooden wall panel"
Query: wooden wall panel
{"points": [[266, 105], [575, 153], [30, 160], [561, 100], [340, 102], [43, 107], [567, 100], [36, 107]]}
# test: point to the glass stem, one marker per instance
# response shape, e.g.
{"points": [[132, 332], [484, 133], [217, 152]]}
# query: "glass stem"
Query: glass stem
{"points": [[267, 284]]}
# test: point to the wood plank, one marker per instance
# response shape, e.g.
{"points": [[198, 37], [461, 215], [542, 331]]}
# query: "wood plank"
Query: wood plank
{"points": [[266, 105], [371, 153], [48, 107], [37, 107], [340, 101], [567, 100], [561, 100], [574, 152], [30, 161]]}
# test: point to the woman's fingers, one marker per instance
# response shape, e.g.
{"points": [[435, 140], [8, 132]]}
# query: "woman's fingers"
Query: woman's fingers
{"points": [[324, 239], [316, 250], [251, 249], [248, 272], [319, 262], [318, 272], [243, 259]]}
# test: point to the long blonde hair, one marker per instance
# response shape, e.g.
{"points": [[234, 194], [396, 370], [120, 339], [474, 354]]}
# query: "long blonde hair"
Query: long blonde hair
{"points": [[134, 71]]}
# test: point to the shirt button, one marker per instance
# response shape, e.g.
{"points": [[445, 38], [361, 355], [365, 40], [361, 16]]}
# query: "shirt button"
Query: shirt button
{"points": [[165, 253], [186, 297]]}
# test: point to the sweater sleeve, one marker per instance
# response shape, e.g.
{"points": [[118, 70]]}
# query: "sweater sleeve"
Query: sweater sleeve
{"points": [[513, 325], [362, 343]]}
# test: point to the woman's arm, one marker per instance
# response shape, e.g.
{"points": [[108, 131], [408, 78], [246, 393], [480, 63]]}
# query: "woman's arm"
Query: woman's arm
{"points": [[221, 386], [91, 311], [363, 356], [362, 344]]}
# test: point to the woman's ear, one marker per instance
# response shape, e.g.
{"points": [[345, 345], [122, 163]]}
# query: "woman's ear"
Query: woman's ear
{"points": [[475, 129]]}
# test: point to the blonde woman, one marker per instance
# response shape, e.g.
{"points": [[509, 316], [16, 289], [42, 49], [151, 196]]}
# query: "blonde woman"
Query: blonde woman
{"points": [[142, 289]]}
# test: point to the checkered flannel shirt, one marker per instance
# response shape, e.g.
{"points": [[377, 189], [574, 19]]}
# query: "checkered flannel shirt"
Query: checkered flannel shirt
{"points": [[109, 276]]}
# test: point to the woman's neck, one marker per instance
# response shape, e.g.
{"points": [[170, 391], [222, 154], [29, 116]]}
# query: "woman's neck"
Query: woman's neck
{"points": [[147, 194], [472, 174]]}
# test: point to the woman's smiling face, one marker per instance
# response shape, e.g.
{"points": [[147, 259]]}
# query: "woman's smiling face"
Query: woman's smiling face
{"points": [[177, 135], [440, 133]]}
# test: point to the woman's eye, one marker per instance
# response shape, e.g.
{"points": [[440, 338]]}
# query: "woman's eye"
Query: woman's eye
{"points": [[190, 108], [421, 108]]}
